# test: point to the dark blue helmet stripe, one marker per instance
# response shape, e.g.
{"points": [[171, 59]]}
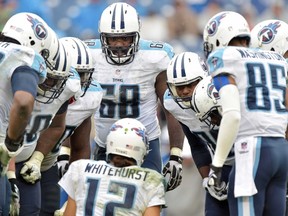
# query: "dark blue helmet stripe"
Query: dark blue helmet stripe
{"points": [[174, 68], [78, 53], [65, 60], [113, 18], [122, 24], [183, 73], [57, 53]]}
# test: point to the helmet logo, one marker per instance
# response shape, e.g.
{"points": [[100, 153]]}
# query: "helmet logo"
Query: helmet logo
{"points": [[38, 28], [114, 127], [210, 91], [267, 33], [213, 25], [139, 132]]}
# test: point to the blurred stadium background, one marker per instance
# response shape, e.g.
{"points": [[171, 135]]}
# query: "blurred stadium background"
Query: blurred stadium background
{"points": [[179, 22]]}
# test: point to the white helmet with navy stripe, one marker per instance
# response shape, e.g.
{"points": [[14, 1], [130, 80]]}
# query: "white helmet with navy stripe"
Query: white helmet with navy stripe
{"points": [[119, 20], [184, 69], [270, 35], [56, 79], [82, 59]]}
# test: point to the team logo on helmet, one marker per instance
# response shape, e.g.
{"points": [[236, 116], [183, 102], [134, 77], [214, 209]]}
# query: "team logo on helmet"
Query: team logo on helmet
{"points": [[114, 127], [213, 25], [267, 34], [210, 91], [140, 133], [38, 28]]}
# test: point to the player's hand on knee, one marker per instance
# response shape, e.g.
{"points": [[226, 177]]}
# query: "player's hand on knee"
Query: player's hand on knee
{"points": [[213, 184], [31, 170], [7, 152], [172, 171], [63, 164], [63, 160]]}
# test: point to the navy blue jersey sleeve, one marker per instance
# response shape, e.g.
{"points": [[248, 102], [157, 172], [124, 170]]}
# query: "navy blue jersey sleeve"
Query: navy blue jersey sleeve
{"points": [[200, 152], [26, 79]]}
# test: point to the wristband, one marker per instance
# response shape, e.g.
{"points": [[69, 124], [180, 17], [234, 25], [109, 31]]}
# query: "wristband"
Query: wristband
{"points": [[176, 151], [13, 145], [11, 174], [64, 150], [175, 155]]}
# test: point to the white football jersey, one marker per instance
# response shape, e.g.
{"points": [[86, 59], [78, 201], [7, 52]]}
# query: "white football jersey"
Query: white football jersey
{"points": [[43, 114], [78, 110], [261, 80], [13, 56], [201, 129], [129, 90], [102, 189]]}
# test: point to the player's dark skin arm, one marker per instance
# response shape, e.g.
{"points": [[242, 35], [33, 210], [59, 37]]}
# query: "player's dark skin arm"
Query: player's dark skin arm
{"points": [[176, 135], [52, 134], [20, 113], [80, 141], [200, 152]]}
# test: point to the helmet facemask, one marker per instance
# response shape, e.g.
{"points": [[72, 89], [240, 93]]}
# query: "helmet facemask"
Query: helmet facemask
{"points": [[185, 102], [86, 78], [51, 88], [212, 118], [56, 79], [120, 55]]}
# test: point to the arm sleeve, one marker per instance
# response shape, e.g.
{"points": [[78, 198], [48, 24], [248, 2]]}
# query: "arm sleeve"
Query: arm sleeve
{"points": [[230, 123], [25, 79], [200, 153]]}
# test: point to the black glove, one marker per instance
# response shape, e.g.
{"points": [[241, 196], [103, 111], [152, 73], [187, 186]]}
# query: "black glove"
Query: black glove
{"points": [[172, 171], [15, 197], [216, 188], [63, 164]]}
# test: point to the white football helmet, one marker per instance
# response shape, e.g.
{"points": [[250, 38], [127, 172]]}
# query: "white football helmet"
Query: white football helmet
{"points": [[119, 20], [30, 30], [183, 69], [222, 28], [82, 59], [270, 35], [127, 137], [56, 79], [206, 101]]}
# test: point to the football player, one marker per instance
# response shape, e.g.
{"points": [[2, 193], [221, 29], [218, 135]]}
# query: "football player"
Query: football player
{"points": [[189, 89], [271, 35], [120, 187], [76, 137], [132, 73], [46, 126], [27, 45], [252, 86]]}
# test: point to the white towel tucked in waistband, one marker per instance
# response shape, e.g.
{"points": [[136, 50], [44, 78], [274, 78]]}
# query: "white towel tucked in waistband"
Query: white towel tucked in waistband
{"points": [[244, 160]]}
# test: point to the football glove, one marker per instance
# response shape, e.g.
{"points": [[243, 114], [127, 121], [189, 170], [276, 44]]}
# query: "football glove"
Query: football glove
{"points": [[15, 194], [213, 184], [30, 171], [172, 171], [6, 154], [63, 160]]}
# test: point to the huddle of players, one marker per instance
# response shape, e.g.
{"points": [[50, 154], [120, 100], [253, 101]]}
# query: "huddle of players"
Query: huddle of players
{"points": [[191, 96]]}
